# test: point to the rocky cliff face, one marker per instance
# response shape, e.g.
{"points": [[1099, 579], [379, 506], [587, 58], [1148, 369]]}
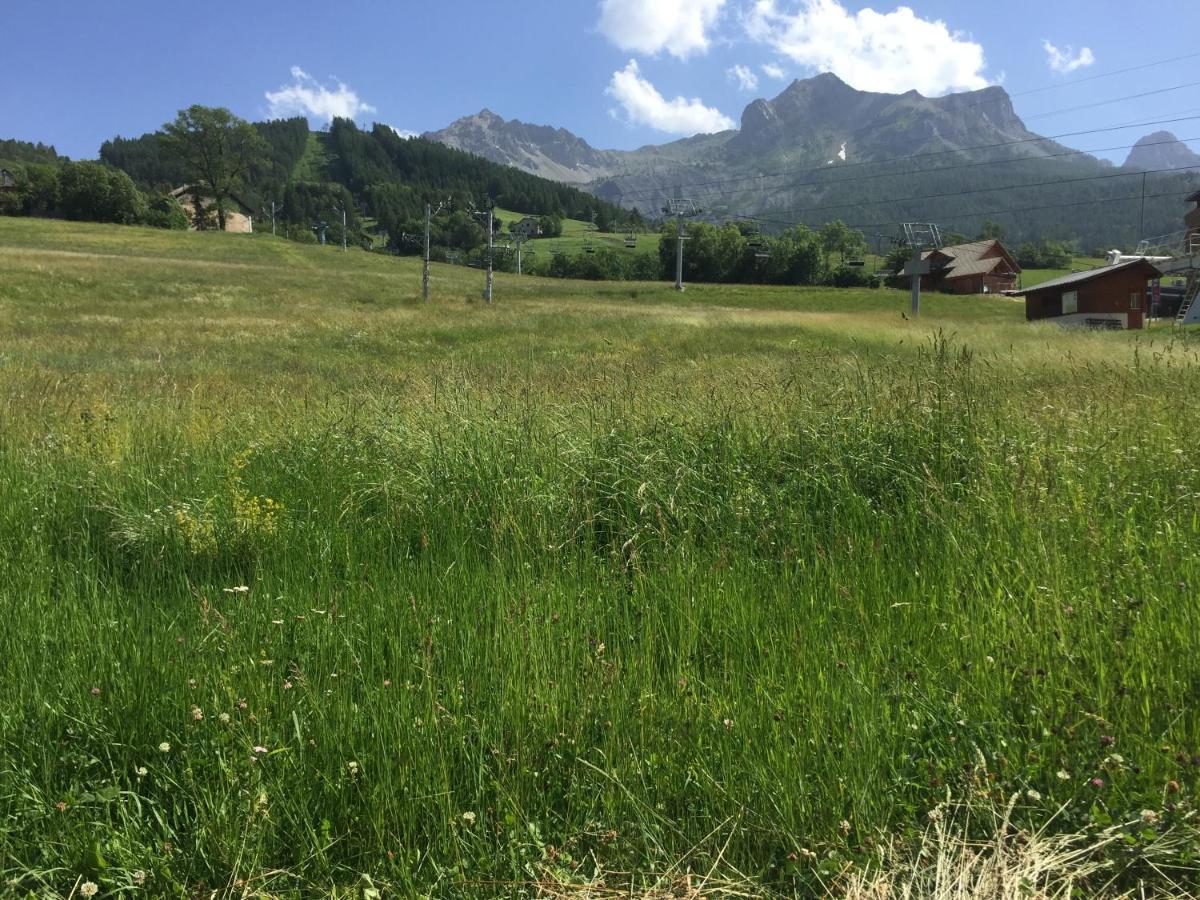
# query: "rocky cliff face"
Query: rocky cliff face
{"points": [[1161, 150], [820, 114]]}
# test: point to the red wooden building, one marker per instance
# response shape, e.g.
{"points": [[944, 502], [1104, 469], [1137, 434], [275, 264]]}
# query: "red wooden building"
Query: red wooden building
{"points": [[1109, 297], [981, 267]]}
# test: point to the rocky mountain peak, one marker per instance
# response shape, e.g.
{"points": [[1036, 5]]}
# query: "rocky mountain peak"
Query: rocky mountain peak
{"points": [[551, 152], [1161, 150], [815, 111]]}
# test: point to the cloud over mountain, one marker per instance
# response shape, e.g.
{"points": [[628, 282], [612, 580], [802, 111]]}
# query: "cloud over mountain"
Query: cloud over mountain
{"points": [[643, 104], [1067, 60], [305, 96], [743, 77], [872, 51]]}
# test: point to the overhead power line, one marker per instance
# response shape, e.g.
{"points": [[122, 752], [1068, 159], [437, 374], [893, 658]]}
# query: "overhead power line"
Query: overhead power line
{"points": [[1099, 75], [1178, 87], [975, 213], [1007, 187], [940, 169]]}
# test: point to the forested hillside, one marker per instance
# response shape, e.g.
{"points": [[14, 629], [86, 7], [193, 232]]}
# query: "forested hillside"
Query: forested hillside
{"points": [[383, 179], [23, 151]]}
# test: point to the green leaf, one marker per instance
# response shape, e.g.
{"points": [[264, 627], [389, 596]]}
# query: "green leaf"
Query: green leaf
{"points": [[93, 860]]}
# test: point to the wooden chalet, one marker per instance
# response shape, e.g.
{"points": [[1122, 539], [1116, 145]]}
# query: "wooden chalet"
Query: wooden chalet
{"points": [[237, 221], [8, 181], [981, 267], [528, 227], [1108, 297]]}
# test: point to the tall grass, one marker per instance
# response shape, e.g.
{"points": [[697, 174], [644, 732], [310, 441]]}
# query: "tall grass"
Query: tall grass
{"points": [[310, 589]]}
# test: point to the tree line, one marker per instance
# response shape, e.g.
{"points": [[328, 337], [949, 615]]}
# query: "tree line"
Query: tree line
{"points": [[735, 252]]}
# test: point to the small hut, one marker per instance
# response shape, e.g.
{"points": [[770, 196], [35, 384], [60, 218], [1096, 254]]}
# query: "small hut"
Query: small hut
{"points": [[1108, 297]]}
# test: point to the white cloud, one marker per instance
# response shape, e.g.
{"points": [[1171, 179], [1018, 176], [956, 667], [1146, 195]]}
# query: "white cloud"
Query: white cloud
{"points": [[306, 97], [773, 71], [644, 105], [742, 77], [1068, 60], [872, 51], [680, 27]]}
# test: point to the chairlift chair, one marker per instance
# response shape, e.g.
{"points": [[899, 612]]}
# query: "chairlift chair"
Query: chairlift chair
{"points": [[588, 248], [856, 263], [631, 240]]}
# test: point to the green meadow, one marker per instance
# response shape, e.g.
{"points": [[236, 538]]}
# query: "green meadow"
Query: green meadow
{"points": [[577, 235], [312, 589]]}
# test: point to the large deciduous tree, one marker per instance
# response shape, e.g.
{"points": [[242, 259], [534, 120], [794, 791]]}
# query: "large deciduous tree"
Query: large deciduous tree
{"points": [[215, 149]]}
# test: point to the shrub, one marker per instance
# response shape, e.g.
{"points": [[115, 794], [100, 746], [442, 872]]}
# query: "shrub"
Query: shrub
{"points": [[93, 192], [166, 212]]}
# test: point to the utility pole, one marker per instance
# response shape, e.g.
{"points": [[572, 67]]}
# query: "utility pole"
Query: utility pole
{"points": [[429, 214], [1142, 218], [425, 259], [487, 293], [273, 209], [916, 268], [519, 239], [681, 209], [489, 218], [919, 236], [341, 207]]}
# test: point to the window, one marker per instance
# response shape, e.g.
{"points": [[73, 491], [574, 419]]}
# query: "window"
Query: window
{"points": [[1135, 301], [1070, 302]]}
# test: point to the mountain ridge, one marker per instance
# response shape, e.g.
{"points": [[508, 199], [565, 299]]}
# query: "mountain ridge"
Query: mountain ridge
{"points": [[914, 158]]}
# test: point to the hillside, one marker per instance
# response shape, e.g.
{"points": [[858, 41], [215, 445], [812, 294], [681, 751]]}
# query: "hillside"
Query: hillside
{"points": [[377, 175], [577, 234], [822, 150]]}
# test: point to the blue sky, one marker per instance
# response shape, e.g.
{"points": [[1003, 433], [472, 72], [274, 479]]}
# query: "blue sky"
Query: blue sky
{"points": [[619, 73]]}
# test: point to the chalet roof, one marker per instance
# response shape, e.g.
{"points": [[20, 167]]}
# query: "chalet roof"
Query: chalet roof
{"points": [[961, 269], [1194, 198], [189, 190], [973, 250], [1089, 275], [968, 259]]}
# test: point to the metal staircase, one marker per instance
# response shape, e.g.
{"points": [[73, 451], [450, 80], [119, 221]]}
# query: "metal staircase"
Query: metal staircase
{"points": [[1189, 310]]}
